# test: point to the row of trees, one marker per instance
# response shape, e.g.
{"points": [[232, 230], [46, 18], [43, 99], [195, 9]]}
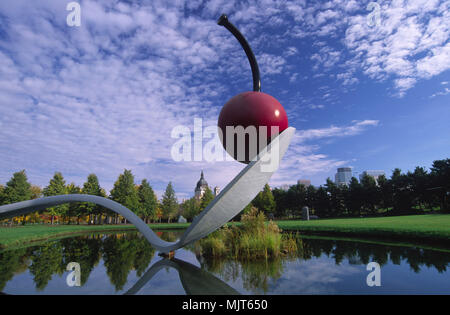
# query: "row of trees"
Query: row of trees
{"points": [[140, 199], [402, 193]]}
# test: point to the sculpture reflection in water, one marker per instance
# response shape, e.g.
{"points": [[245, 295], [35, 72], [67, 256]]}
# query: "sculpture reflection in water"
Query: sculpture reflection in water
{"points": [[195, 281]]}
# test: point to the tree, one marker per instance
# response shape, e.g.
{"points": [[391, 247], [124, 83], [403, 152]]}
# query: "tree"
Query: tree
{"points": [[190, 208], [169, 203], [402, 192], [2, 195], [125, 193], [281, 201], [420, 184], [322, 203], [57, 186], [265, 201], [17, 189], [207, 197], [385, 192], [92, 187], [75, 209], [354, 197], [159, 212], [36, 192], [147, 200], [336, 199], [296, 198], [369, 193], [440, 182]]}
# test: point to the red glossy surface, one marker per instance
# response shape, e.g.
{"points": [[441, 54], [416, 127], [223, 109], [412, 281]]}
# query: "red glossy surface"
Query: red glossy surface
{"points": [[252, 109]]}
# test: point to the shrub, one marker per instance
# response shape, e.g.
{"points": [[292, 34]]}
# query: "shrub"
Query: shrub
{"points": [[254, 238]]}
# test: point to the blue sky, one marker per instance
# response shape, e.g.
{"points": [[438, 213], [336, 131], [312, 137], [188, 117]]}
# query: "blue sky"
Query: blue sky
{"points": [[105, 96]]}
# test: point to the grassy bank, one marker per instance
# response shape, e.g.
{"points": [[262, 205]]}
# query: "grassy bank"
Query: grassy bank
{"points": [[13, 236], [432, 227]]}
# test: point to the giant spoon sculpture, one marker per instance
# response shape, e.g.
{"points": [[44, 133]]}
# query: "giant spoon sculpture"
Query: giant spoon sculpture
{"points": [[246, 109]]}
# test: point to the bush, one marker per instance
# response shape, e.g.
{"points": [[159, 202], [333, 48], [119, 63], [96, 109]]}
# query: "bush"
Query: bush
{"points": [[252, 239]]}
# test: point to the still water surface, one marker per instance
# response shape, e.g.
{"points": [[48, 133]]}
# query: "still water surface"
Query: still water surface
{"points": [[126, 264]]}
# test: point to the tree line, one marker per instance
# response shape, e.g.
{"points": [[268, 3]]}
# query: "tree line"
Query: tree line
{"points": [[141, 199], [403, 193]]}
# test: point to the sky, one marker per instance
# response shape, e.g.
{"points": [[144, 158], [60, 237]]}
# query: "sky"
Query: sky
{"points": [[365, 85]]}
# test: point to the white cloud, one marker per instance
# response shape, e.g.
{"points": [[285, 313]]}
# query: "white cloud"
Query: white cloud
{"points": [[408, 45]]}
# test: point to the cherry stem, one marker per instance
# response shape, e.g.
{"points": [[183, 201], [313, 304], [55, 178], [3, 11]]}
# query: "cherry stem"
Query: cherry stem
{"points": [[223, 21]]}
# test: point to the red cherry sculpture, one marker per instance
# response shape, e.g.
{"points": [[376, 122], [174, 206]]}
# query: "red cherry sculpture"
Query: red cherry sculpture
{"points": [[249, 108]]}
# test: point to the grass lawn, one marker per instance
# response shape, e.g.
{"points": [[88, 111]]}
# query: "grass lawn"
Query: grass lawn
{"points": [[31, 233], [434, 227]]}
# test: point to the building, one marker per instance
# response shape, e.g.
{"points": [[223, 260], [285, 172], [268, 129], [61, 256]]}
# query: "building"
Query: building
{"points": [[373, 174], [285, 187], [200, 189], [305, 182], [343, 176]]}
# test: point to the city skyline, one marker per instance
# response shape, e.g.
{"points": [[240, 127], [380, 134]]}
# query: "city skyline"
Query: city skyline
{"points": [[105, 96]]}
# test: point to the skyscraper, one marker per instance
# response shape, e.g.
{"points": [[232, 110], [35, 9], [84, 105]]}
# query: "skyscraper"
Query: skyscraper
{"points": [[343, 176]]}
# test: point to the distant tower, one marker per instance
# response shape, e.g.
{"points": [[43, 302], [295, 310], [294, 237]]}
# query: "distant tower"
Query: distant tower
{"points": [[343, 176], [216, 191], [201, 187]]}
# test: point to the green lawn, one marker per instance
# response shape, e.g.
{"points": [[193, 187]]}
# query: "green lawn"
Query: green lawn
{"points": [[30, 233], [428, 227]]}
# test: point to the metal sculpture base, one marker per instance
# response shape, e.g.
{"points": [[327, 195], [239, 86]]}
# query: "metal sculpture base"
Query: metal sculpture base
{"points": [[233, 198]]}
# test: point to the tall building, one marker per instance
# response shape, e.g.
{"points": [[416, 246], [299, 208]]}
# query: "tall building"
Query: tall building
{"points": [[343, 176], [305, 182], [374, 174]]}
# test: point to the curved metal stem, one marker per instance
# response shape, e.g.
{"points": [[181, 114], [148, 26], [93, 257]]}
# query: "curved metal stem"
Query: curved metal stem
{"points": [[223, 21]]}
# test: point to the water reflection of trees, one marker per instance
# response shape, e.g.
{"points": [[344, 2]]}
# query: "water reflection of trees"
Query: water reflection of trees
{"points": [[122, 253], [363, 253], [255, 275]]}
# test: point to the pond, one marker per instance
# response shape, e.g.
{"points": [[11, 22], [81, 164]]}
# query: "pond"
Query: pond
{"points": [[124, 263]]}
